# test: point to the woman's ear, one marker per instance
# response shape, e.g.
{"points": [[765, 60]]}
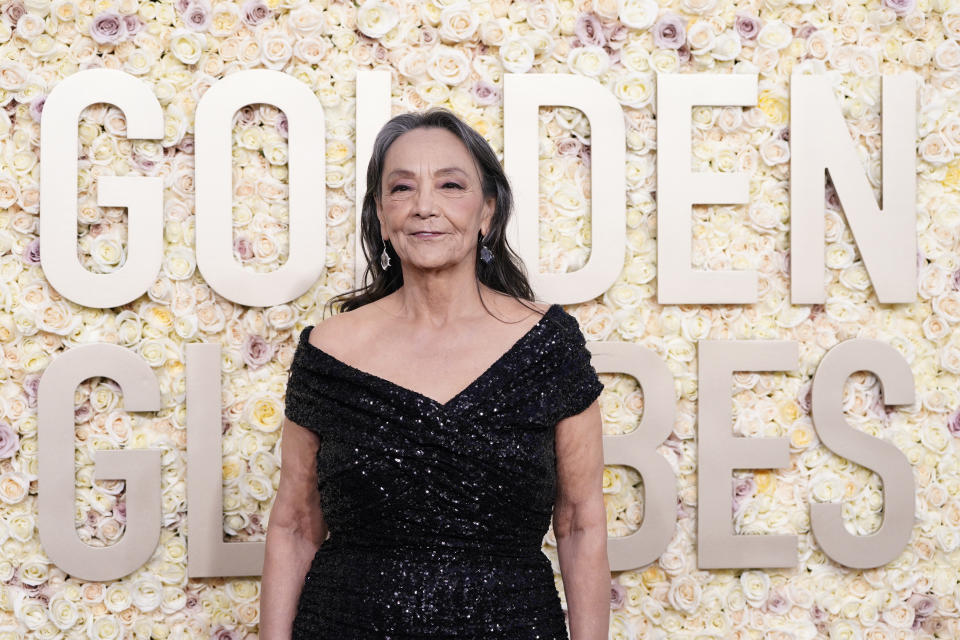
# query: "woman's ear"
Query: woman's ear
{"points": [[486, 218]]}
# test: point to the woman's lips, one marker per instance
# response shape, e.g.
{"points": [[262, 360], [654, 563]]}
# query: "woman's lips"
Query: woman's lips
{"points": [[427, 235]]}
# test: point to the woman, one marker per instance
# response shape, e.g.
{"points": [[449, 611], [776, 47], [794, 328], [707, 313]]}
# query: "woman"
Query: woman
{"points": [[462, 422]]}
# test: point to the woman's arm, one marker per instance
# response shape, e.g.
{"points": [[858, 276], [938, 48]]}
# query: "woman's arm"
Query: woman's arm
{"points": [[580, 524], [295, 531]]}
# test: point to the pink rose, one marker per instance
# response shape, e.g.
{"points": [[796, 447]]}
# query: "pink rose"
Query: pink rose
{"points": [[243, 247], [670, 31], [9, 440], [108, 28], [618, 594], [254, 12], [589, 31], [485, 93], [197, 16], [747, 27], [256, 351], [12, 11]]}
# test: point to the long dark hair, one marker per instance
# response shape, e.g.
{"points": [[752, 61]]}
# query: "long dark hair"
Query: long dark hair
{"points": [[505, 273]]}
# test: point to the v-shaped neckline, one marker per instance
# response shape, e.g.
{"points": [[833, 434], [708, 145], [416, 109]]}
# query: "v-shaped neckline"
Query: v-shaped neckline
{"points": [[443, 406]]}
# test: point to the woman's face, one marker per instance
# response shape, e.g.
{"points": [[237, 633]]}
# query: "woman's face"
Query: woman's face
{"points": [[430, 183]]}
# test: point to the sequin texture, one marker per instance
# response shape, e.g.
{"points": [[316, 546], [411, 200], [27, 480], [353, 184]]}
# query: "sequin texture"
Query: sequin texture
{"points": [[437, 511]]}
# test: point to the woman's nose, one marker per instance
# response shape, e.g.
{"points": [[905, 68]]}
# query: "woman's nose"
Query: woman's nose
{"points": [[426, 201]]}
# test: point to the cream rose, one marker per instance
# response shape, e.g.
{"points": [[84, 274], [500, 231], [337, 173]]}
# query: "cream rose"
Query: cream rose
{"points": [[376, 18], [448, 65], [104, 627], [684, 594], [638, 14], [264, 413], [186, 46], [13, 487], [589, 60], [458, 22], [774, 35]]}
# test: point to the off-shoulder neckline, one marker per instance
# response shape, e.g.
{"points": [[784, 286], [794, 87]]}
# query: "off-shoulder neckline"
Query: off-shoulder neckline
{"points": [[416, 395]]}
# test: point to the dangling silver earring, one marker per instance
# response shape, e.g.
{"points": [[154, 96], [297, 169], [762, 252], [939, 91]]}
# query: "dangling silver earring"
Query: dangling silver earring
{"points": [[384, 257], [485, 254]]}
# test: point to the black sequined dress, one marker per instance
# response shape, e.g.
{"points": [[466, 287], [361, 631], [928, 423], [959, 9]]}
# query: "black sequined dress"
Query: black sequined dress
{"points": [[437, 512]]}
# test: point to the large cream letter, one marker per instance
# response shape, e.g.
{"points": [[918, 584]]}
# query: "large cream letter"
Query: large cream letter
{"points": [[139, 468], [638, 449], [209, 555], [880, 456], [719, 452], [523, 94], [819, 140], [678, 188], [214, 188], [142, 196]]}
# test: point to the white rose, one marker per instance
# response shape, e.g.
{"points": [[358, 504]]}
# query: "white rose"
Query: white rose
{"points": [[589, 60], [448, 65], [186, 326], [256, 486], [146, 593], [458, 22], [13, 487], [30, 612], [63, 613], [774, 35], [30, 27], [756, 587], [864, 62], [21, 526], [305, 19], [225, 20], [673, 561], [263, 413], [179, 262], [311, 49], [376, 18], [517, 55], [34, 571], [638, 14], [820, 43], [916, 53], [494, 32], [727, 46], [684, 594], [701, 37], [104, 627], [275, 49], [542, 16], [117, 597], [413, 64], [775, 151], [174, 599], [187, 46], [947, 55], [107, 253], [899, 616], [839, 255], [634, 89], [951, 23], [665, 60]]}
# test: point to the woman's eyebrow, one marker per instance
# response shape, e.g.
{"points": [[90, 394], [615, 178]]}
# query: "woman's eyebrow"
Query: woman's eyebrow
{"points": [[407, 172]]}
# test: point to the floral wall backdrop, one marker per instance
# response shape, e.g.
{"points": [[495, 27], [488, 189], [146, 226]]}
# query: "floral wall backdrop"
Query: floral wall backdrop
{"points": [[454, 54]]}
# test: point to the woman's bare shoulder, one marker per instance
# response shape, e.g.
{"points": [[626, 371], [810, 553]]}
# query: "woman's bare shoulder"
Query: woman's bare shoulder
{"points": [[513, 309], [339, 328]]}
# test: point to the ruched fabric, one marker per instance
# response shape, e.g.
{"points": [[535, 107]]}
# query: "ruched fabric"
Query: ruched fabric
{"points": [[437, 511]]}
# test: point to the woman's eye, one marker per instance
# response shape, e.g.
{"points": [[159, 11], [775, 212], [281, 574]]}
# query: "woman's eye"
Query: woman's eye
{"points": [[399, 186], [453, 184]]}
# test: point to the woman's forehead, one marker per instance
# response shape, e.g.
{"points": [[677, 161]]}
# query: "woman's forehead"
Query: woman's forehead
{"points": [[428, 152]]}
